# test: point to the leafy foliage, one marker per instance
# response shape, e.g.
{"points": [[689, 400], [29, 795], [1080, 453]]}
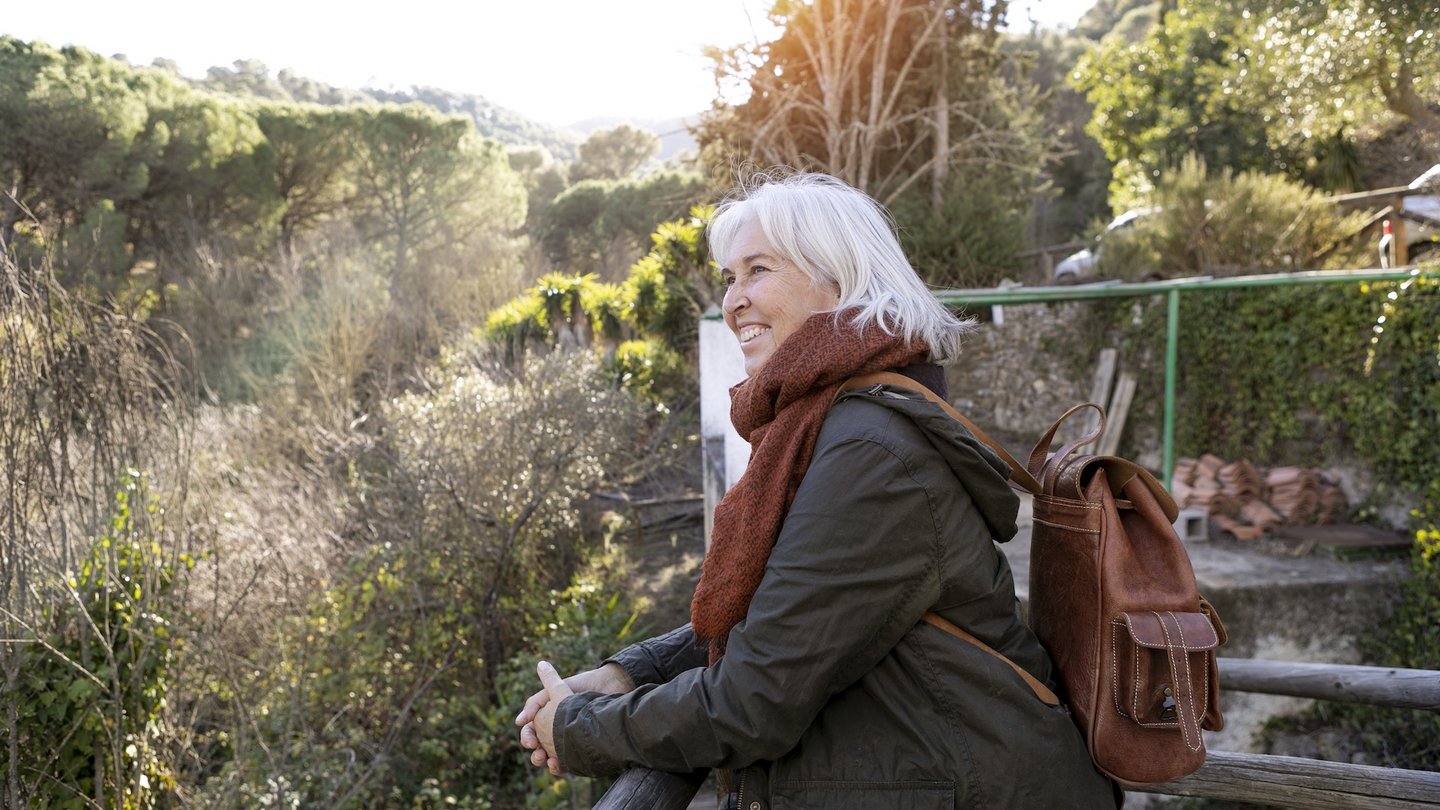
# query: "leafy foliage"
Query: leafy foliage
{"points": [[614, 154], [89, 722], [651, 367], [1160, 99], [394, 684], [1228, 223], [135, 183], [971, 241], [1319, 66], [1380, 406], [1282, 87], [87, 612], [599, 226], [1079, 176], [661, 300], [251, 77]]}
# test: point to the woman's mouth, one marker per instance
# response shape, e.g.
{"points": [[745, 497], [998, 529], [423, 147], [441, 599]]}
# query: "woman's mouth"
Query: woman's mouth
{"points": [[749, 333]]}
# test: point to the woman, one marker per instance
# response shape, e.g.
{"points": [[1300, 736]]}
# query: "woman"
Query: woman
{"points": [[806, 668]]}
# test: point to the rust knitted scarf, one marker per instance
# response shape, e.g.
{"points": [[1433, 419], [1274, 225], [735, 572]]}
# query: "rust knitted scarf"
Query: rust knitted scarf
{"points": [[779, 411]]}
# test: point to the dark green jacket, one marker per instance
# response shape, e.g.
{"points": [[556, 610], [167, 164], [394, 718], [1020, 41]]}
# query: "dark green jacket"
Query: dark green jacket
{"points": [[832, 686]]}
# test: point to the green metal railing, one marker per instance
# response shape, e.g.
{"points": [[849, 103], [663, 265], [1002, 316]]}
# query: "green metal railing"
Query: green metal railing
{"points": [[1172, 290]]}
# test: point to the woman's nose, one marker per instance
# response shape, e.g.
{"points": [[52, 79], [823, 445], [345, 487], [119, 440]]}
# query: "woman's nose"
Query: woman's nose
{"points": [[734, 300]]}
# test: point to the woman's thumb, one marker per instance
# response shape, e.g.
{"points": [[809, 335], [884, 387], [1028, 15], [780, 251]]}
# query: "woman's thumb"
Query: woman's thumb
{"points": [[549, 678]]}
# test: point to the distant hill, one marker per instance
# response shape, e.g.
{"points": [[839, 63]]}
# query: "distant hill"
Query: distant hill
{"points": [[252, 77]]}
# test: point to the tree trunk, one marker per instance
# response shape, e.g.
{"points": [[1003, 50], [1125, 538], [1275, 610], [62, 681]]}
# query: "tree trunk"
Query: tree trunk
{"points": [[940, 170], [1401, 97]]}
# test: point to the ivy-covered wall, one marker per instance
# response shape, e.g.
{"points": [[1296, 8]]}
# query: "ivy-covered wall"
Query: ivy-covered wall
{"points": [[1336, 374]]}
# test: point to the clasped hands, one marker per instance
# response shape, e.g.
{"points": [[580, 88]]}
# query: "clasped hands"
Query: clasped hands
{"points": [[537, 719]]}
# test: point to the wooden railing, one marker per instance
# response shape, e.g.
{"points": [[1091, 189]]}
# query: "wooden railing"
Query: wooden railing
{"points": [[1253, 778], [1307, 783]]}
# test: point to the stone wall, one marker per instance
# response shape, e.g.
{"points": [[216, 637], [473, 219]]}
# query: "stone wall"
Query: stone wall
{"points": [[1017, 374], [1005, 376]]}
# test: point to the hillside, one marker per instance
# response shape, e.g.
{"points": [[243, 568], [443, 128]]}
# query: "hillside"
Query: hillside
{"points": [[252, 77]]}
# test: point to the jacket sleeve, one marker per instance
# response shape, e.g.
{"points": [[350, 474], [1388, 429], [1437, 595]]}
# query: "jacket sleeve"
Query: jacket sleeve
{"points": [[661, 658], [854, 568]]}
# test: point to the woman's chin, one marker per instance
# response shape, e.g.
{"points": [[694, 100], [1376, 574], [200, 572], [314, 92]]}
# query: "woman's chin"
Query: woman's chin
{"points": [[753, 365]]}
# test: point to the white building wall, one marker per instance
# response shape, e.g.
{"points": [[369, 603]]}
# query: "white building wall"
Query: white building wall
{"points": [[724, 453]]}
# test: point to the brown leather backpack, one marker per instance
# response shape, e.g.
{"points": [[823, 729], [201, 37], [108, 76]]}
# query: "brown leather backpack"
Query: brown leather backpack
{"points": [[1114, 602]]}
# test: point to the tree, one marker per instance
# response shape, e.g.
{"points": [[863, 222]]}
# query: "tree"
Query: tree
{"points": [[444, 206], [249, 77], [1283, 86], [614, 154], [1320, 65], [312, 150], [1162, 98], [1108, 16], [543, 177], [601, 226], [902, 99], [68, 124], [883, 95], [430, 181], [1081, 175]]}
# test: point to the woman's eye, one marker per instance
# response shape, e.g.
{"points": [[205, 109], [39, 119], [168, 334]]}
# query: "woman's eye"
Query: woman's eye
{"points": [[728, 279]]}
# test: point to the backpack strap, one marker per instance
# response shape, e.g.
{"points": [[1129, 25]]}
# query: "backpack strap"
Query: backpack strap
{"points": [[1047, 471], [1018, 472], [1041, 690]]}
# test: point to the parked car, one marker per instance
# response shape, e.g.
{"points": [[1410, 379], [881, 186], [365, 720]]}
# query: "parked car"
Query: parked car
{"points": [[1080, 264]]}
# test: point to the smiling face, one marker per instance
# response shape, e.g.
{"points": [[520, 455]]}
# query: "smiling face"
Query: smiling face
{"points": [[767, 298]]}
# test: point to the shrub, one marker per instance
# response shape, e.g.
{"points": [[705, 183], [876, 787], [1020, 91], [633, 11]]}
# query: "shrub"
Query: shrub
{"points": [[90, 701], [1225, 223], [88, 611], [391, 690], [652, 368]]}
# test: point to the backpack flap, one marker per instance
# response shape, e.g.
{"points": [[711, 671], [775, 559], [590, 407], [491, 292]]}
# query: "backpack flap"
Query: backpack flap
{"points": [[1164, 669], [1071, 480]]}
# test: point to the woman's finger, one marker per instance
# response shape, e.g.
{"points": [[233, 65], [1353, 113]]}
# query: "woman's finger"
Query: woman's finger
{"points": [[532, 707]]}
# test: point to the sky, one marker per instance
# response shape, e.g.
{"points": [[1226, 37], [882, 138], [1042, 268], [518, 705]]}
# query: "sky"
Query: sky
{"points": [[556, 61]]}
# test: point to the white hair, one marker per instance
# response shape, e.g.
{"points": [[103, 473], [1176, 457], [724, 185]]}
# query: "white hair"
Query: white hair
{"points": [[837, 234]]}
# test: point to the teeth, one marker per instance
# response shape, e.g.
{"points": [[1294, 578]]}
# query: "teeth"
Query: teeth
{"points": [[750, 332]]}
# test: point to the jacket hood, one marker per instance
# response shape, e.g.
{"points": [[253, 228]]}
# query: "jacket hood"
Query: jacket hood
{"points": [[976, 467]]}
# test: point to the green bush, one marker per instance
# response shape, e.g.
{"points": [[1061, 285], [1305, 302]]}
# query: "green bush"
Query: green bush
{"points": [[652, 368], [391, 689], [973, 239], [91, 695], [1227, 223], [645, 327]]}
